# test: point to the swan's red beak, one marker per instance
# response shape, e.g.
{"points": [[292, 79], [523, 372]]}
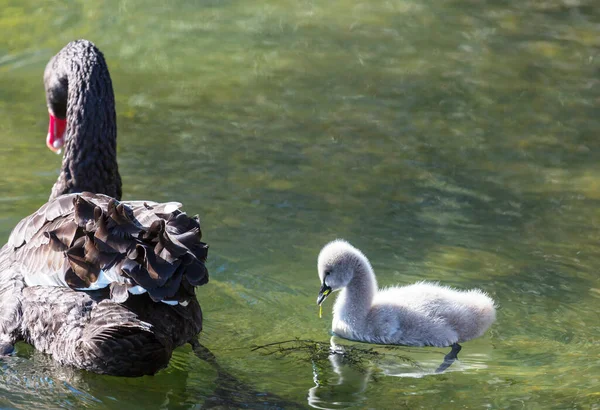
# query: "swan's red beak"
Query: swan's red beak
{"points": [[56, 133]]}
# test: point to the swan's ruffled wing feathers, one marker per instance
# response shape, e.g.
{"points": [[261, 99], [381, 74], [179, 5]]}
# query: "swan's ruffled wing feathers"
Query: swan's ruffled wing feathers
{"points": [[11, 311], [76, 238], [147, 212], [41, 259], [50, 211]]}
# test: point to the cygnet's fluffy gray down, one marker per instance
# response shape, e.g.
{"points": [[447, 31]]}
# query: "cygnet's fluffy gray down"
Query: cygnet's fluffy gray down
{"points": [[422, 314]]}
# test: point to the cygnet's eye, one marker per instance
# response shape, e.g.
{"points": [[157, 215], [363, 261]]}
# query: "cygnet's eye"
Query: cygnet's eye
{"points": [[327, 272]]}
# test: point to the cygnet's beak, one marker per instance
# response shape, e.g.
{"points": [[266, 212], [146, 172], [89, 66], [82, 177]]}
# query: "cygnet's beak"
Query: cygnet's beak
{"points": [[323, 293]]}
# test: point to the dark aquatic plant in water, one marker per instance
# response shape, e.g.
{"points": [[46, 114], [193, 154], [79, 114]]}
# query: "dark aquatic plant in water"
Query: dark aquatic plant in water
{"points": [[318, 353]]}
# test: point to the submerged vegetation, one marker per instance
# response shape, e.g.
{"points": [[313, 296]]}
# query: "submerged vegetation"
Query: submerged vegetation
{"points": [[358, 357]]}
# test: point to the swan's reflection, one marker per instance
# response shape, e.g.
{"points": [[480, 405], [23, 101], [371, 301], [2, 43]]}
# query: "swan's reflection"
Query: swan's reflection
{"points": [[343, 383], [31, 379]]}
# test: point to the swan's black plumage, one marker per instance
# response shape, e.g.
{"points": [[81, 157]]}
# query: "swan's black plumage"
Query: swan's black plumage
{"points": [[78, 86], [74, 237]]}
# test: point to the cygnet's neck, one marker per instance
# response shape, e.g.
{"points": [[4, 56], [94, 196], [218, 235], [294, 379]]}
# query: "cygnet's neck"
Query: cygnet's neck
{"points": [[355, 300]]}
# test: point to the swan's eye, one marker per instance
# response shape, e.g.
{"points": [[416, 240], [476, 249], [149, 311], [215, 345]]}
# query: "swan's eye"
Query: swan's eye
{"points": [[327, 272]]}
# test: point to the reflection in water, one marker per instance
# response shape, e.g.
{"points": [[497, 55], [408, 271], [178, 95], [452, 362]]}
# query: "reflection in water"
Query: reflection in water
{"points": [[351, 376], [343, 389], [233, 393], [26, 386], [33, 378]]}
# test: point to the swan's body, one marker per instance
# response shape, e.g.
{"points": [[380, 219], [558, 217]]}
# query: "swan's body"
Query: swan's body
{"points": [[99, 284], [422, 314]]}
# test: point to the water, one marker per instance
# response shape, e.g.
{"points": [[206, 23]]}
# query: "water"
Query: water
{"points": [[449, 140]]}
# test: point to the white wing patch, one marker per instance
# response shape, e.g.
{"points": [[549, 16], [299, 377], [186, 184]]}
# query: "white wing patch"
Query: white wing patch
{"points": [[105, 278], [137, 290]]}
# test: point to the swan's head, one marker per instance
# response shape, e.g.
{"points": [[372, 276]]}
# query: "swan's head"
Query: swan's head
{"points": [[337, 263], [56, 98]]}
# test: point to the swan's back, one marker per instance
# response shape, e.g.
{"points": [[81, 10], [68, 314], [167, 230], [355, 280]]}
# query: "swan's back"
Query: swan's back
{"points": [[91, 241], [438, 311]]}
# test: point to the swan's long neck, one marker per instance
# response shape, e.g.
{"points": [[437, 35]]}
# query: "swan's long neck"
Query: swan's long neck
{"points": [[355, 300], [90, 158]]}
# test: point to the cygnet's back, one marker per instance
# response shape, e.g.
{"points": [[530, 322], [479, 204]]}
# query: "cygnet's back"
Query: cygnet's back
{"points": [[430, 314], [417, 315]]}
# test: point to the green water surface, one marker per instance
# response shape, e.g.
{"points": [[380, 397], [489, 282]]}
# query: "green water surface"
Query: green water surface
{"points": [[449, 140]]}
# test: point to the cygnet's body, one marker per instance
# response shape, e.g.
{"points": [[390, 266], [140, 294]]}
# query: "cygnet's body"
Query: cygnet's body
{"points": [[423, 314]]}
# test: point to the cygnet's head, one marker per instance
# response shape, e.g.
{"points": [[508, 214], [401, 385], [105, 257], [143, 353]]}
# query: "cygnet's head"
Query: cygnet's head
{"points": [[337, 263]]}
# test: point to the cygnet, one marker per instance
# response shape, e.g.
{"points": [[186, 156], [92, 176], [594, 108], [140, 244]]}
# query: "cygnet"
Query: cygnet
{"points": [[422, 314]]}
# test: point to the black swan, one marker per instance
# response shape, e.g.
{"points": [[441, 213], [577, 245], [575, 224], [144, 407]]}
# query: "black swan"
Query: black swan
{"points": [[99, 284]]}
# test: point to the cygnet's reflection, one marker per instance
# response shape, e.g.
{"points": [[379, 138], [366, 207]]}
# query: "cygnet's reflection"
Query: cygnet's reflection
{"points": [[329, 393], [343, 383]]}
